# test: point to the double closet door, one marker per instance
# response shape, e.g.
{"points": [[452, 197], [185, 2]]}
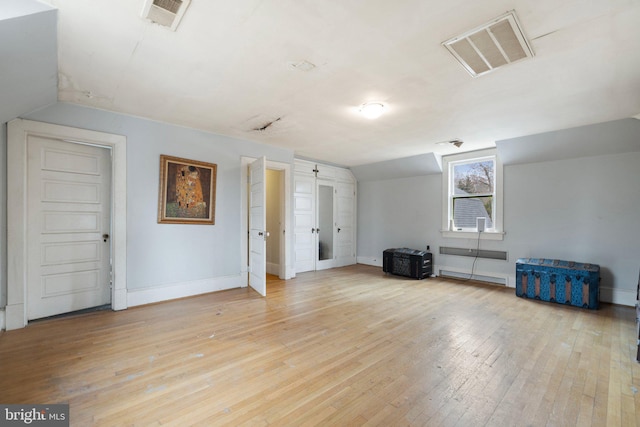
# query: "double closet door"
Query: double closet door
{"points": [[324, 217]]}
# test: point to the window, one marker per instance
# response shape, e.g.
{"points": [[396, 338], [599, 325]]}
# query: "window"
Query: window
{"points": [[473, 193], [472, 189]]}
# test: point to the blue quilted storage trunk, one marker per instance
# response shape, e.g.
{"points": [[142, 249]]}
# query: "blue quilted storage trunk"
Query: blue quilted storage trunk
{"points": [[563, 282]]}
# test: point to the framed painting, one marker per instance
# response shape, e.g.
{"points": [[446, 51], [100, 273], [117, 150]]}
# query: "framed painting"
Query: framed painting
{"points": [[187, 191]]}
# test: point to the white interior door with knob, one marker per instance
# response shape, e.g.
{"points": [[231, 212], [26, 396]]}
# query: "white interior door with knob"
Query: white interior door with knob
{"points": [[345, 219], [257, 226], [68, 226], [304, 226]]}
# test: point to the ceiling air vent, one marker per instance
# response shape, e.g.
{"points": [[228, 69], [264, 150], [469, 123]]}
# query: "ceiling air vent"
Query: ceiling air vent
{"points": [[167, 13], [492, 45]]}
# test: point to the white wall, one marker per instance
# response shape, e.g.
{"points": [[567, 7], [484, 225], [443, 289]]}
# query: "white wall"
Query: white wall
{"points": [[172, 256], [3, 220], [28, 80], [582, 209], [396, 213]]}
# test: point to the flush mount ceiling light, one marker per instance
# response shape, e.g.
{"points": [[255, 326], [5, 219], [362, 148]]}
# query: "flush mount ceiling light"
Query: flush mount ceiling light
{"points": [[372, 110], [490, 46]]}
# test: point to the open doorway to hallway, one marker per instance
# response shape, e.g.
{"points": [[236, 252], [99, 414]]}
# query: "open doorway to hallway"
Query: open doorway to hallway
{"points": [[277, 191], [275, 222]]}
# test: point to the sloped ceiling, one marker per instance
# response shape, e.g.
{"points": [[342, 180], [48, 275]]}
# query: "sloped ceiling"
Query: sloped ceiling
{"points": [[618, 136], [418, 165], [28, 64], [228, 69], [18, 8]]}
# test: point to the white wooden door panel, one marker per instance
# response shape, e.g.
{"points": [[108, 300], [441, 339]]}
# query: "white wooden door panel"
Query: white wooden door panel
{"points": [[345, 240], [68, 212], [304, 222], [258, 226], [335, 245]]}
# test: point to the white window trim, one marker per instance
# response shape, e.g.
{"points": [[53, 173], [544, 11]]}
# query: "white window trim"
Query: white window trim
{"points": [[497, 232]]}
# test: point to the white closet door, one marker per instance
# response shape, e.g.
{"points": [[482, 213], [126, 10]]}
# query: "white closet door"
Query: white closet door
{"points": [[304, 225], [325, 224], [68, 252], [345, 224]]}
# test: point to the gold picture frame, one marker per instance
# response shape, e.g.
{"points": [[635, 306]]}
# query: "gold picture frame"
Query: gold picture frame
{"points": [[187, 191]]}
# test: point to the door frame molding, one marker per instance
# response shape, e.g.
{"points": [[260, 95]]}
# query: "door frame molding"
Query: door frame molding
{"points": [[289, 268], [18, 132]]}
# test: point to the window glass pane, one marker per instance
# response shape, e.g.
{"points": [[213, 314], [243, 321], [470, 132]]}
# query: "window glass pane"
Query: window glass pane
{"points": [[472, 189], [467, 209], [473, 178]]}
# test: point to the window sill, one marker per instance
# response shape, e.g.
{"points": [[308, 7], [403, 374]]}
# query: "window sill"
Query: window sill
{"points": [[485, 235]]}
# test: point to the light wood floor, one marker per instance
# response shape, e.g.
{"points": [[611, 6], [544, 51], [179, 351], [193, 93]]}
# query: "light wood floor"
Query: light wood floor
{"points": [[347, 346]]}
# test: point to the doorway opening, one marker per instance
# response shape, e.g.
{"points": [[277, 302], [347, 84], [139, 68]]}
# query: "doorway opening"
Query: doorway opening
{"points": [[275, 222], [278, 217], [20, 133]]}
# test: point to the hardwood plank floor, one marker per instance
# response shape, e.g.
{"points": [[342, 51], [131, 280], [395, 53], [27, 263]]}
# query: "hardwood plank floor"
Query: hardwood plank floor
{"points": [[347, 346]]}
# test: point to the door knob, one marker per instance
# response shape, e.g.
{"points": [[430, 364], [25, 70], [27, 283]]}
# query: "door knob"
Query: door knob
{"points": [[105, 237], [339, 229]]}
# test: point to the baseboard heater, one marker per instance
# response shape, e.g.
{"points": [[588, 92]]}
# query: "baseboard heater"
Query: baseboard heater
{"points": [[464, 275], [482, 253]]}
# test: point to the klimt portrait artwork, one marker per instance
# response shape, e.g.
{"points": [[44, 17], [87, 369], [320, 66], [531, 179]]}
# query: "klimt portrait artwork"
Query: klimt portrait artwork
{"points": [[187, 191]]}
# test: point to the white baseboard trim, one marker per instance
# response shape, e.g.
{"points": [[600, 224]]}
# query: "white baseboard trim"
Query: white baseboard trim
{"points": [[273, 268], [376, 262], [464, 273], [2, 322], [180, 290], [15, 316], [244, 277], [120, 300], [618, 296], [290, 273], [615, 296]]}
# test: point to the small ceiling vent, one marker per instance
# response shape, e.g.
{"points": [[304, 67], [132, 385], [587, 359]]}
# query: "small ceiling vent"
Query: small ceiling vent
{"points": [[492, 45], [167, 13]]}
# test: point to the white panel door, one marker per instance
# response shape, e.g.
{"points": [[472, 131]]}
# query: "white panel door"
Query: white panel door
{"points": [[68, 226], [258, 226], [304, 225], [345, 220]]}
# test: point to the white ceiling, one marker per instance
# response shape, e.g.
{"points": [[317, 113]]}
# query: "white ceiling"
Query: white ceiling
{"points": [[227, 69]]}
